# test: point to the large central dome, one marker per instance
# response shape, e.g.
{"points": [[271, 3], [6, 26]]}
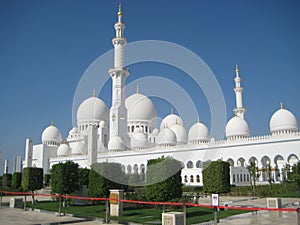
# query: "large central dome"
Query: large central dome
{"points": [[140, 108], [92, 109]]}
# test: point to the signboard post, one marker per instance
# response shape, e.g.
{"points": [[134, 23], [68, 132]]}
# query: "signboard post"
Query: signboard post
{"points": [[215, 204]]}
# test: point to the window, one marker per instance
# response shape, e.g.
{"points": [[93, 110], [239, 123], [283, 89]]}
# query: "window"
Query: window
{"points": [[185, 179], [241, 177], [198, 179], [132, 129], [244, 177], [192, 179], [189, 164], [247, 177], [233, 178], [237, 178]]}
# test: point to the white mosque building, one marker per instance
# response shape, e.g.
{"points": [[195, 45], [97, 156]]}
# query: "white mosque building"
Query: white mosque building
{"points": [[127, 133]]}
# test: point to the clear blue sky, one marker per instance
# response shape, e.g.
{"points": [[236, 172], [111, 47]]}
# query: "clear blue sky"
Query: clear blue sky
{"points": [[46, 46]]}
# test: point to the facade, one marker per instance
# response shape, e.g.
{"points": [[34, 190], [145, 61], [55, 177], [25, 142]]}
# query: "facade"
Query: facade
{"points": [[127, 133], [18, 164]]}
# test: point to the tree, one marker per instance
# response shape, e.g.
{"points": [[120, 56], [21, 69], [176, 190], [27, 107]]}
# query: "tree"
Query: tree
{"points": [[64, 178], [216, 177], [105, 176], [83, 176], [16, 181], [253, 171], [295, 175], [6, 180], [163, 179], [32, 179]]}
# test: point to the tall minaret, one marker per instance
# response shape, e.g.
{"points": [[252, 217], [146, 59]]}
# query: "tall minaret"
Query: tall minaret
{"points": [[239, 110], [118, 111]]}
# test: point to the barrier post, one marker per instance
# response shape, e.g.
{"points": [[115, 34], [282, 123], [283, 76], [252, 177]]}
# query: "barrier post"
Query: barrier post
{"points": [[184, 213], [25, 202], [298, 215], [1, 199], [107, 211], [164, 208], [215, 215]]}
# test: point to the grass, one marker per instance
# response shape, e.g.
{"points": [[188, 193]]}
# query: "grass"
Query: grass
{"points": [[288, 195], [137, 215]]}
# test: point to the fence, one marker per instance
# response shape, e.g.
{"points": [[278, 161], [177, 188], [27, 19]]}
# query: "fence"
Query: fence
{"points": [[163, 204]]}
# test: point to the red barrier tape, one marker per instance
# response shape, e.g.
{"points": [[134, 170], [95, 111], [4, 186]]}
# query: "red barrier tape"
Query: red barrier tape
{"points": [[153, 203]]}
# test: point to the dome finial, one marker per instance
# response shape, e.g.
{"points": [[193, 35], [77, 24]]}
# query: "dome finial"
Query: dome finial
{"points": [[172, 111], [94, 93], [236, 70], [198, 120], [137, 89], [52, 123], [281, 105]]}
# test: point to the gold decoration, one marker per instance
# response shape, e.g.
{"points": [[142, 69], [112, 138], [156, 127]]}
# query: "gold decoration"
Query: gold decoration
{"points": [[114, 198]]}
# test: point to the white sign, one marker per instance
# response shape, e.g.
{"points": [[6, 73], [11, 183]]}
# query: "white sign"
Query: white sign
{"points": [[214, 199]]}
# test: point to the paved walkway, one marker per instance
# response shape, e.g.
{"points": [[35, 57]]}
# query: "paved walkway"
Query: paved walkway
{"points": [[10, 216]]}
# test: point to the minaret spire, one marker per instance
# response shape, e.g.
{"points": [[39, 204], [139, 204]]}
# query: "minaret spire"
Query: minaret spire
{"points": [[118, 111], [120, 14], [239, 110]]}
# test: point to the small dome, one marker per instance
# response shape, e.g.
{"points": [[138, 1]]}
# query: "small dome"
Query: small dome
{"points": [[140, 108], [73, 131], [155, 131], [77, 148], [102, 124], [283, 120], [166, 137], [63, 150], [116, 143], [51, 134], [199, 132], [237, 127], [92, 109], [170, 120], [180, 133], [139, 140]]}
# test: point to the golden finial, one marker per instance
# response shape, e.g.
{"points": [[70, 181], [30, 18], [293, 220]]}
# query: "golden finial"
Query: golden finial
{"points": [[120, 10], [236, 68], [137, 89], [281, 105]]}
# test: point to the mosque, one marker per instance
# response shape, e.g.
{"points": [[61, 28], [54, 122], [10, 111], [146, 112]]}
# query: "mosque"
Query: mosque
{"points": [[127, 133]]}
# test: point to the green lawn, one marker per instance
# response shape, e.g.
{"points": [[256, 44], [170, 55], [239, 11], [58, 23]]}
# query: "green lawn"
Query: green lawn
{"points": [[138, 215]]}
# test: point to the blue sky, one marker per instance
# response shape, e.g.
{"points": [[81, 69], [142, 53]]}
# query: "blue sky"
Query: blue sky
{"points": [[46, 46]]}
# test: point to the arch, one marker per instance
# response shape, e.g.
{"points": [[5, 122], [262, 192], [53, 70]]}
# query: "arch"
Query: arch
{"points": [[123, 168], [241, 162], [182, 165], [253, 159], [199, 164], [231, 162], [198, 178], [292, 159], [190, 164], [135, 168], [265, 160], [142, 168], [278, 159], [129, 169]]}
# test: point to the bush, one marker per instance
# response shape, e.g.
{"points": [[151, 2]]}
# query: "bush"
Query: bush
{"points": [[16, 180], [105, 176], [164, 178], [83, 176], [6, 180]]}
